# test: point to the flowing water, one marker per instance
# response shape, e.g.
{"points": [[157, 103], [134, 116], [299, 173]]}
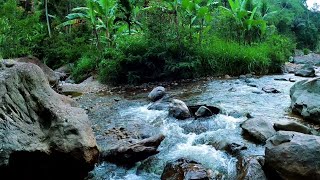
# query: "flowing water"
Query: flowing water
{"points": [[192, 139]]}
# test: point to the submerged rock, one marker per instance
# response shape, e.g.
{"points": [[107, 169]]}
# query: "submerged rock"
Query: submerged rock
{"points": [[157, 93], [128, 154], [203, 111], [41, 135], [294, 157], [259, 129], [306, 71], [305, 99], [184, 169], [178, 109]]}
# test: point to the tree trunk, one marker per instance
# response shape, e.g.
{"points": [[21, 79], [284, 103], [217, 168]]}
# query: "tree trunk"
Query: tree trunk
{"points": [[47, 18]]}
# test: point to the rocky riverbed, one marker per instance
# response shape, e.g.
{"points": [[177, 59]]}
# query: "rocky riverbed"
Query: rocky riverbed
{"points": [[126, 116]]}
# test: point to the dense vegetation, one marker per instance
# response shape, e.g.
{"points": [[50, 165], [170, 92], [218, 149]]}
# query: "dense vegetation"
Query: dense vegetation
{"points": [[132, 41]]}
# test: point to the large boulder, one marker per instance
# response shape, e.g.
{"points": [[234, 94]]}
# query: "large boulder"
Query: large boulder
{"points": [[41, 135], [291, 126], [306, 71], [52, 77], [305, 99], [127, 154], [184, 169], [157, 93], [250, 168], [259, 129], [178, 109], [293, 155]]}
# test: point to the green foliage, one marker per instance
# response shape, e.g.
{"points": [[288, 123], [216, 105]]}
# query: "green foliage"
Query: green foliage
{"points": [[20, 31], [306, 51], [84, 67]]}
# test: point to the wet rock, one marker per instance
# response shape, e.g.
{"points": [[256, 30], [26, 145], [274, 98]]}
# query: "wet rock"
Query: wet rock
{"points": [[305, 99], [49, 73], [270, 90], [291, 126], [295, 158], [184, 169], [291, 68], [235, 148], [259, 129], [306, 71], [160, 105], [252, 85], [249, 80], [250, 169], [178, 109], [41, 134], [257, 92], [280, 79], [128, 154], [157, 93], [292, 80], [232, 89], [203, 111]]}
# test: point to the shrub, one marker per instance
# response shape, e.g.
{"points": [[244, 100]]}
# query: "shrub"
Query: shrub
{"points": [[84, 67], [306, 51], [20, 31]]}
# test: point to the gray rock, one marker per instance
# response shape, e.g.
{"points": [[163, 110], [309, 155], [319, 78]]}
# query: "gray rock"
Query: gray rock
{"points": [[295, 158], [157, 93], [128, 154], [49, 73], [203, 111], [250, 169], [184, 169], [291, 126], [40, 132], [305, 99], [306, 71], [259, 129], [178, 109], [270, 90]]}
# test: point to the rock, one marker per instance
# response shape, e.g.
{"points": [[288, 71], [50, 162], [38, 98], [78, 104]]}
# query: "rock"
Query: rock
{"points": [[311, 59], [306, 71], [292, 80], [49, 73], [291, 68], [257, 92], [270, 90], [249, 80], [280, 79], [203, 111], [128, 154], [295, 158], [41, 135], [260, 129], [291, 126], [252, 85], [250, 169], [233, 89], [160, 105], [227, 76], [184, 169], [235, 148], [178, 109], [305, 99], [157, 93]]}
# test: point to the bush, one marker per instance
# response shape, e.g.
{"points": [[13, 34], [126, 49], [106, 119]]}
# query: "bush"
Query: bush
{"points": [[306, 51], [84, 67], [20, 31]]}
